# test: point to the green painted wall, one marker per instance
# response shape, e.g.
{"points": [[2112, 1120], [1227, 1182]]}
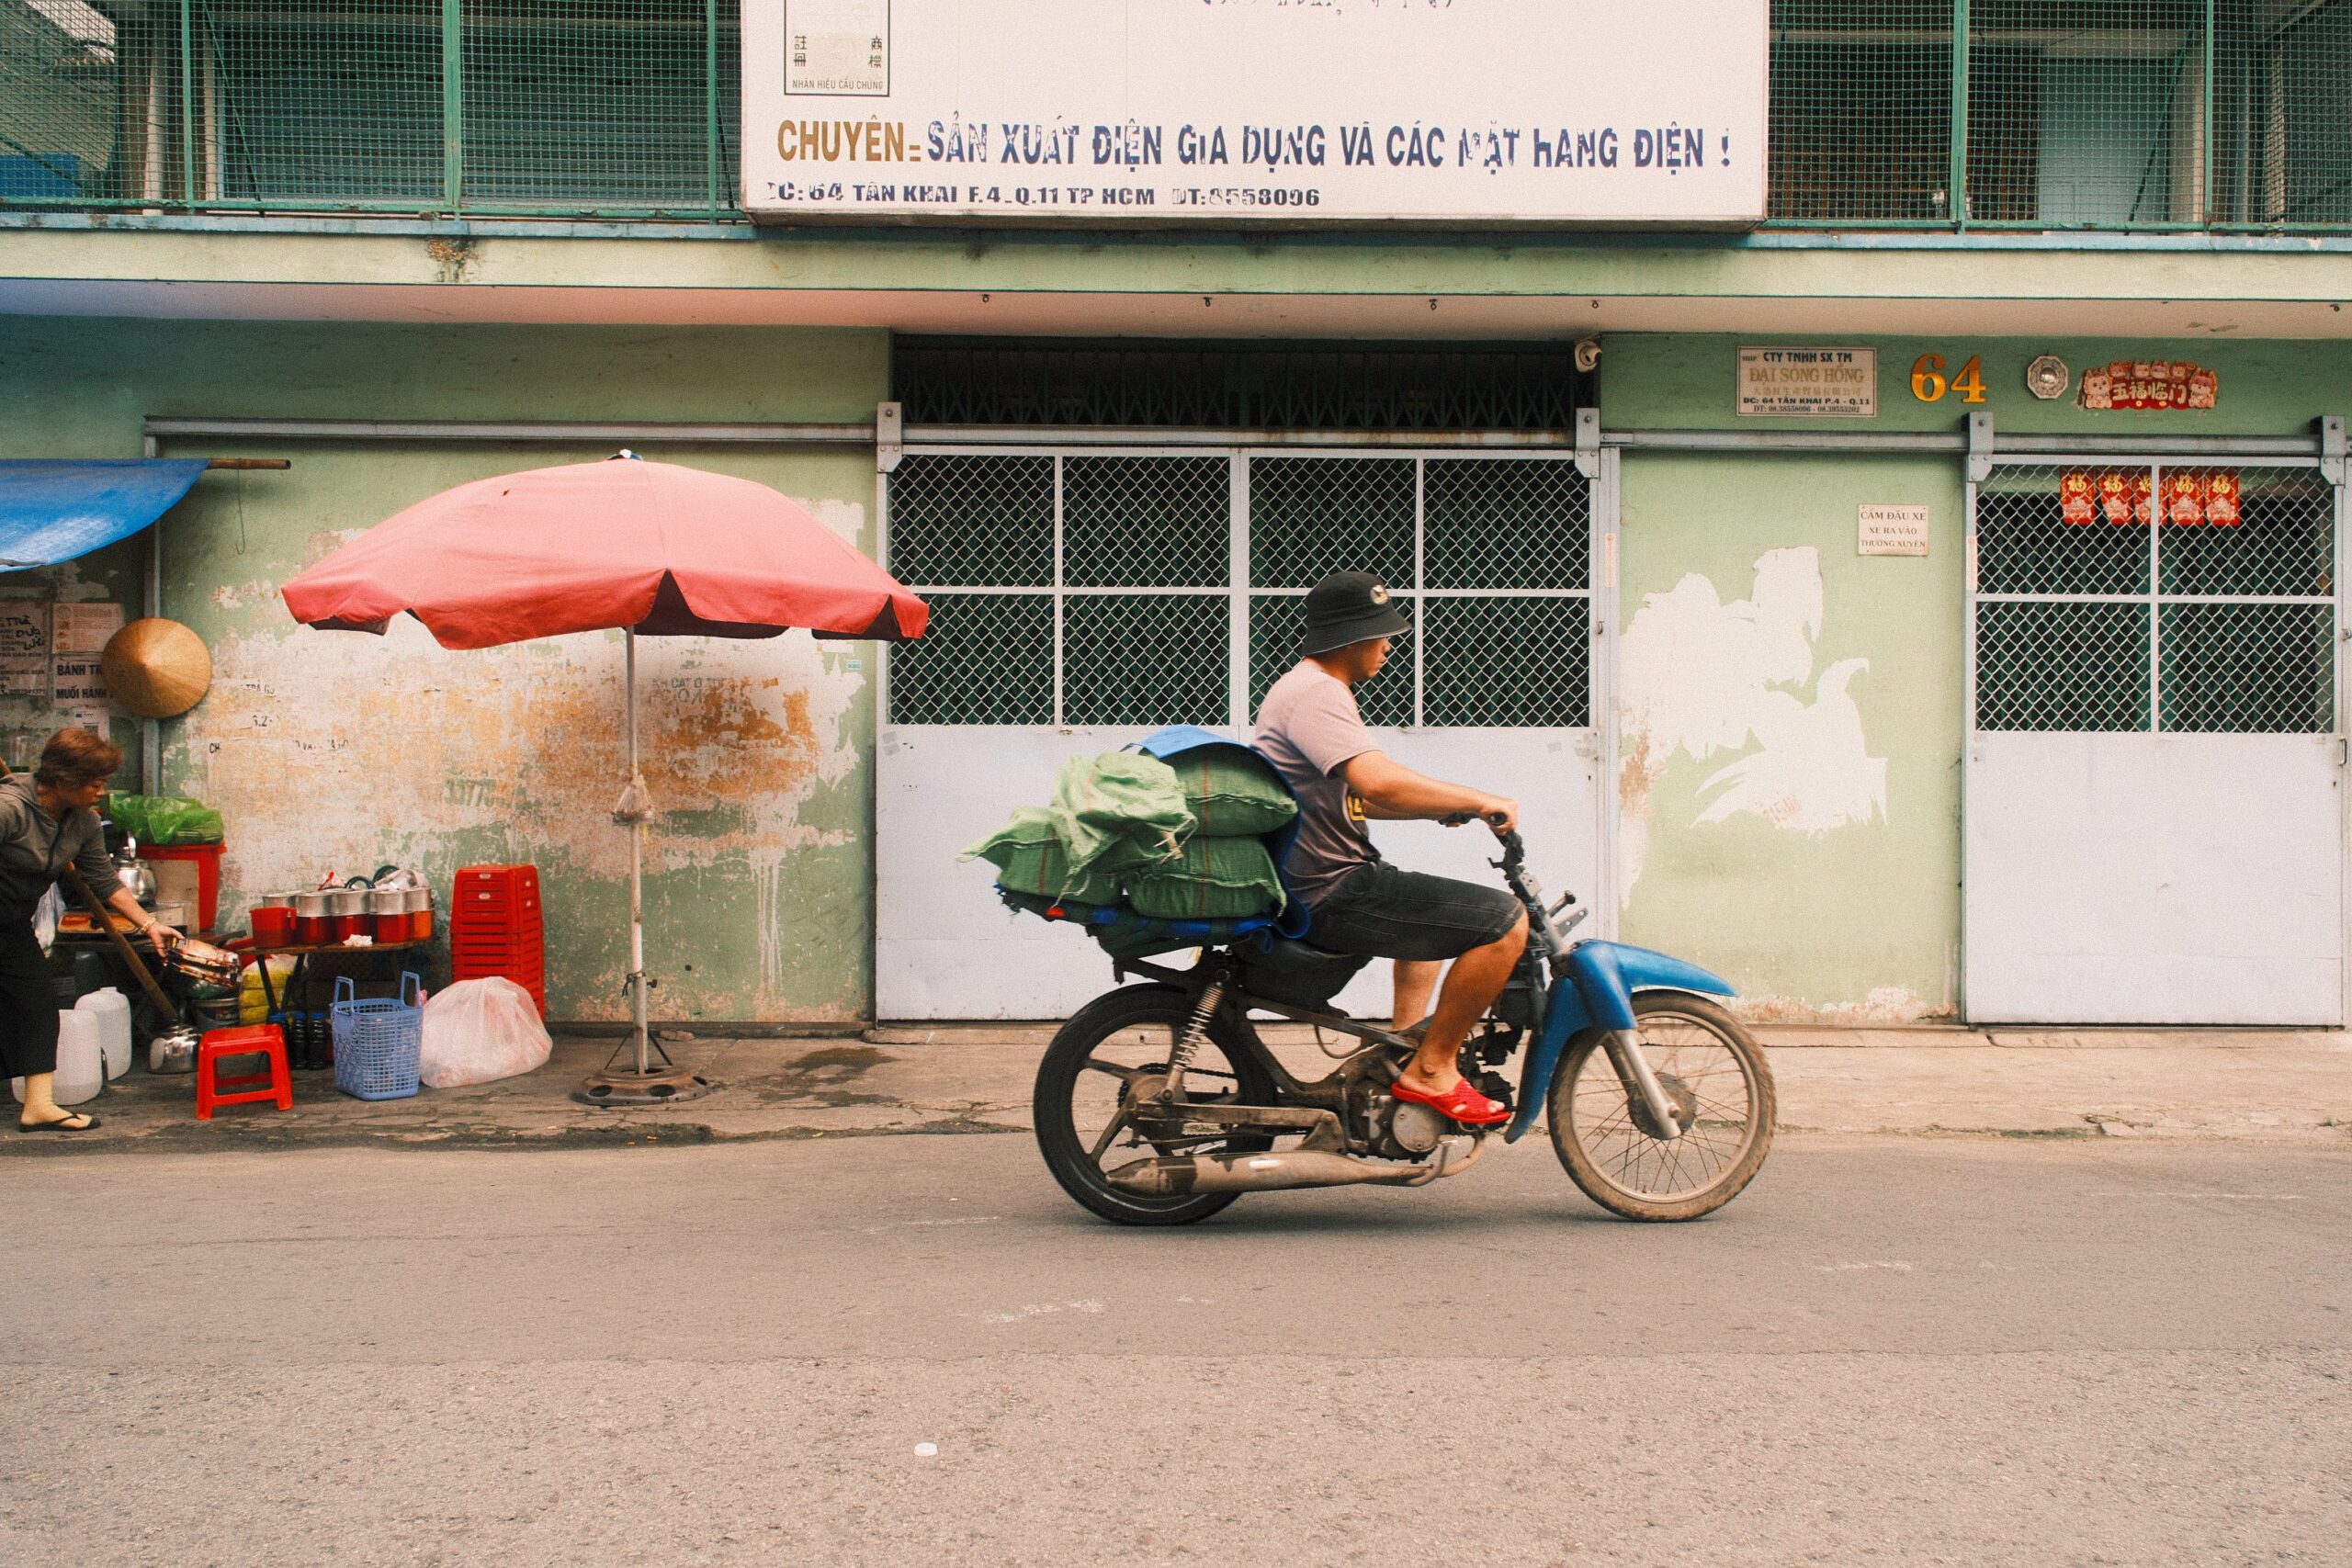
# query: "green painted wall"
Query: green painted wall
{"points": [[334, 750], [1858, 919]]}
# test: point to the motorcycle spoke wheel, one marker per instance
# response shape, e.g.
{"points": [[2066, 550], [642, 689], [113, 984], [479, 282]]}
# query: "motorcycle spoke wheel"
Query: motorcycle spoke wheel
{"points": [[1716, 1076], [1090, 1122]]}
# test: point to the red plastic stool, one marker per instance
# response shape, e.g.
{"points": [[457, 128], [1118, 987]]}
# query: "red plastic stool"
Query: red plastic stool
{"points": [[265, 1039]]}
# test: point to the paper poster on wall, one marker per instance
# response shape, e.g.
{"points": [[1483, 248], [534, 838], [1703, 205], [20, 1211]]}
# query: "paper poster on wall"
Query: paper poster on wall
{"points": [[86, 629], [1088, 112], [80, 679], [1893, 531], [23, 628], [25, 675], [94, 717]]}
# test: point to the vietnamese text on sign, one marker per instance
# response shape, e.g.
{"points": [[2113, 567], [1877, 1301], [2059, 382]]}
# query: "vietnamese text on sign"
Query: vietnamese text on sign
{"points": [[1808, 383]]}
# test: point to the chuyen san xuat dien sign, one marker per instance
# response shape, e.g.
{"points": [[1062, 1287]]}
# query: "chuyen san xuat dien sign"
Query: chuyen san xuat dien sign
{"points": [[1091, 111]]}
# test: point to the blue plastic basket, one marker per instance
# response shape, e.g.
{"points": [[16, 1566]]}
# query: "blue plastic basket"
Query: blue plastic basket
{"points": [[376, 1040]]}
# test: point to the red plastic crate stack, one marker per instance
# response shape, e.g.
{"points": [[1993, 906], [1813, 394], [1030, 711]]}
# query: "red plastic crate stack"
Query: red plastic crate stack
{"points": [[496, 928]]}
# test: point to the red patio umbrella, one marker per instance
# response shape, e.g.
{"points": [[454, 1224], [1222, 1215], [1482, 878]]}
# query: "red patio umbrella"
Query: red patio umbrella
{"points": [[650, 548]]}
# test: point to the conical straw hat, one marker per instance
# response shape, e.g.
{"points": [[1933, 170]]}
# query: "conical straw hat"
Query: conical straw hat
{"points": [[156, 669]]}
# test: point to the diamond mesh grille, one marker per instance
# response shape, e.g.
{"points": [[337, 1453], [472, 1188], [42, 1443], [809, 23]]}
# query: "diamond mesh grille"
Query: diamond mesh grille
{"points": [[1503, 523], [2249, 669], [985, 659], [1147, 659], [1507, 662], [1143, 599], [2243, 614], [959, 521], [2062, 666], [1146, 522], [1312, 516], [1861, 108]]}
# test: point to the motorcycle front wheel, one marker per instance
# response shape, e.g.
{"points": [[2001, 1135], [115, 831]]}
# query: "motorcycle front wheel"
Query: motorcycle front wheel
{"points": [[1084, 1096], [1715, 1075]]}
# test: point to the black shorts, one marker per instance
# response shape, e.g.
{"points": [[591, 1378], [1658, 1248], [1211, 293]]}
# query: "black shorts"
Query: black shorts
{"points": [[1378, 911]]}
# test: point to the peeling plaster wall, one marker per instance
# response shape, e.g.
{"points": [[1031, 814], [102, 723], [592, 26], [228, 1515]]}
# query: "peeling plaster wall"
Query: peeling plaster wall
{"points": [[1790, 711], [343, 751]]}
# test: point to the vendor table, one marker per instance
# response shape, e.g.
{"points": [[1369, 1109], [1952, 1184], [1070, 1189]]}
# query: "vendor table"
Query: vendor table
{"points": [[302, 956]]}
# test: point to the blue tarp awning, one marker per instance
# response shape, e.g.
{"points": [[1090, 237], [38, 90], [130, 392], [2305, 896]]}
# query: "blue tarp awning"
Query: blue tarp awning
{"points": [[52, 509]]}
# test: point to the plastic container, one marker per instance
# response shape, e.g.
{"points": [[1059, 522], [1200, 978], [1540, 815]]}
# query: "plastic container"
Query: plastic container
{"points": [[207, 860], [112, 1010], [81, 1060], [420, 914], [376, 1040]]}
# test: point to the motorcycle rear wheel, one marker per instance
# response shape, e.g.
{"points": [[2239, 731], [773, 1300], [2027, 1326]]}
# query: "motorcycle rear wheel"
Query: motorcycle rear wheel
{"points": [[1707, 1062], [1081, 1087]]}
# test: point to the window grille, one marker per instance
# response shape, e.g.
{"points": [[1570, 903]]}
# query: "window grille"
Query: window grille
{"points": [[2219, 618], [1098, 589]]}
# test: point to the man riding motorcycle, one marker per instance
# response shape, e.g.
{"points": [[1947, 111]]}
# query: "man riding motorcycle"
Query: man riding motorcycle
{"points": [[1311, 728]]}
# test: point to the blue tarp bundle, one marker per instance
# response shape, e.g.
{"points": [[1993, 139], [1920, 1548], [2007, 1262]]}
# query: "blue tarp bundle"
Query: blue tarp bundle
{"points": [[52, 509]]}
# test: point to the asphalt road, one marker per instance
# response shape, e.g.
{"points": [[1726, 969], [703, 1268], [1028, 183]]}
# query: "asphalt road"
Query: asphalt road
{"points": [[1889, 1350]]}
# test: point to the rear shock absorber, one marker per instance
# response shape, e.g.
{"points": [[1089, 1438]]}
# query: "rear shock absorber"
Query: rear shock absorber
{"points": [[1196, 1030]]}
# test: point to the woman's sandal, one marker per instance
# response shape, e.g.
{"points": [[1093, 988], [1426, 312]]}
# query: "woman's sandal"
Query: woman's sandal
{"points": [[89, 1123], [1461, 1102]]}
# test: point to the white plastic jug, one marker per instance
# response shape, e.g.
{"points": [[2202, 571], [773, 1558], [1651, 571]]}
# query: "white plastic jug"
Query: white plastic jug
{"points": [[81, 1061], [112, 1010]]}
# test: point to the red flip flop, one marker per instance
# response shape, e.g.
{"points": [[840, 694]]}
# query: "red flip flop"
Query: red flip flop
{"points": [[1461, 1102]]}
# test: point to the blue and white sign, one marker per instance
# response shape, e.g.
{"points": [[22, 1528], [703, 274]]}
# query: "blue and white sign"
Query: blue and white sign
{"points": [[1245, 111]]}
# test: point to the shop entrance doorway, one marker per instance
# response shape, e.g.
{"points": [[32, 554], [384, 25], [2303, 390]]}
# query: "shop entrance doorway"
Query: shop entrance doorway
{"points": [[2155, 758], [1084, 595]]}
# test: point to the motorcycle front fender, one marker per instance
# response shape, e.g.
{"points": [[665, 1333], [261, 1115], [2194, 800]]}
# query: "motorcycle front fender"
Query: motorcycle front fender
{"points": [[1597, 993]]}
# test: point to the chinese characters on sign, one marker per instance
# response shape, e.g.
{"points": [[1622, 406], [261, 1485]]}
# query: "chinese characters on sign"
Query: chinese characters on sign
{"points": [[2192, 497], [2149, 384], [1808, 383], [837, 48]]}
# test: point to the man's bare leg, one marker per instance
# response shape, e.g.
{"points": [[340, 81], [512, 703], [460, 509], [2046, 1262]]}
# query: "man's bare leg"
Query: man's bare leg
{"points": [[1416, 983], [1476, 979]]}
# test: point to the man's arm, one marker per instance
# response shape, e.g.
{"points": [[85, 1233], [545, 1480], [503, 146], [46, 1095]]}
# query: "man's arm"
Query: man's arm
{"points": [[1393, 791]]}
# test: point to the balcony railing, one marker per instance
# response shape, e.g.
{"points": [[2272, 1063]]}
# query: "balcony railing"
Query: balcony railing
{"points": [[1983, 114], [2063, 114], [571, 108]]}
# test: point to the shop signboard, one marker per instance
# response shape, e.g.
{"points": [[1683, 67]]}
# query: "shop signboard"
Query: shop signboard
{"points": [[1808, 383], [1218, 112]]}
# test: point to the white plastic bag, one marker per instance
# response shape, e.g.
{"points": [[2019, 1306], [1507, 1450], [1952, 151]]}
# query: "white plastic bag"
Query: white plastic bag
{"points": [[479, 1031]]}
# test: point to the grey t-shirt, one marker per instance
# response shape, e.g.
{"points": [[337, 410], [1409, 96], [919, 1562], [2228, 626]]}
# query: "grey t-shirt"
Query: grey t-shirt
{"points": [[34, 845], [1309, 727]]}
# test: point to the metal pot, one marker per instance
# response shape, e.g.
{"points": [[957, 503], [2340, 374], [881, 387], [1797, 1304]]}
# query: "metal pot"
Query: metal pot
{"points": [[173, 1051], [136, 875], [202, 963]]}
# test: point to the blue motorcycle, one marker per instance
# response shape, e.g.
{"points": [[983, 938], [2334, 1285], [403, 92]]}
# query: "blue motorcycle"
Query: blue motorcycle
{"points": [[1159, 1103]]}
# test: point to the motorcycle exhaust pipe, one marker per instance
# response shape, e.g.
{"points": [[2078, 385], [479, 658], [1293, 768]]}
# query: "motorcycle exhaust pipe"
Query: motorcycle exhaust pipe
{"points": [[1182, 1176]]}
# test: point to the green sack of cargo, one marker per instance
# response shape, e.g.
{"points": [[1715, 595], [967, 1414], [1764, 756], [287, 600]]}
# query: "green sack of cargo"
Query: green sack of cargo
{"points": [[1121, 805], [1213, 879], [166, 819], [1230, 791], [1030, 858]]}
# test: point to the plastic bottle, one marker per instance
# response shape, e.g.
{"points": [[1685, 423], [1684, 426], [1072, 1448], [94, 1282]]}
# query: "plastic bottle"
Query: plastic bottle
{"points": [[112, 1010], [81, 1061]]}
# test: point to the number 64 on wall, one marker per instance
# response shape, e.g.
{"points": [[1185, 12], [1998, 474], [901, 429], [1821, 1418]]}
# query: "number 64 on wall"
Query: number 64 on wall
{"points": [[1929, 385]]}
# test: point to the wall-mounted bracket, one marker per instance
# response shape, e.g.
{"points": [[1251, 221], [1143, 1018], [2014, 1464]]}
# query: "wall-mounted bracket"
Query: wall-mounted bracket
{"points": [[889, 432], [1587, 447], [1980, 447], [2332, 448]]}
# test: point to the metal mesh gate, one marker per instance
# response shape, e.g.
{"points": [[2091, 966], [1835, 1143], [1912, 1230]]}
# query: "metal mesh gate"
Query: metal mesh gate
{"points": [[2153, 597], [1148, 587]]}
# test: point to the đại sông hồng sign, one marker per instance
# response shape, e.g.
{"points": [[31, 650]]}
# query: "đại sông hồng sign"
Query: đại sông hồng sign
{"points": [[1256, 111], [1808, 383]]}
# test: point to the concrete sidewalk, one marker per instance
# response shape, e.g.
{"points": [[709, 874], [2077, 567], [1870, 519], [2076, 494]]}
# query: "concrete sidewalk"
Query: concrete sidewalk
{"points": [[2087, 1083]]}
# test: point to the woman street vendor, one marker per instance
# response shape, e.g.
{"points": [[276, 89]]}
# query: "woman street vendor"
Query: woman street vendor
{"points": [[47, 822]]}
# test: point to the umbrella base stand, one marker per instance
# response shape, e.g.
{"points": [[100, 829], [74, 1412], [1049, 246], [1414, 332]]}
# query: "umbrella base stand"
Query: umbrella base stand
{"points": [[662, 1083]]}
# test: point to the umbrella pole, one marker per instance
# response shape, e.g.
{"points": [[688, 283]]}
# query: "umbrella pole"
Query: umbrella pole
{"points": [[636, 857], [645, 1085]]}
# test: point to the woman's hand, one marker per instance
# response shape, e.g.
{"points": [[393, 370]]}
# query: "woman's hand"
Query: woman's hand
{"points": [[164, 937]]}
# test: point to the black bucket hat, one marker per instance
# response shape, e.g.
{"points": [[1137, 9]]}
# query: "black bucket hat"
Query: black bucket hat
{"points": [[1347, 607]]}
